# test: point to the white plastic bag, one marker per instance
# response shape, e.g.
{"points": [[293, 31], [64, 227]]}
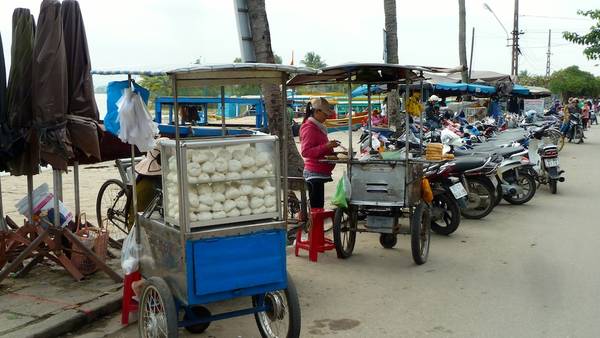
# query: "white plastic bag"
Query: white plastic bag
{"points": [[130, 253]]}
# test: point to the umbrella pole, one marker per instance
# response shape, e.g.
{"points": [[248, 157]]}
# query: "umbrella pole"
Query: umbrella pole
{"points": [[349, 116], [3, 226], [76, 184], [55, 187], [30, 197], [133, 179]]}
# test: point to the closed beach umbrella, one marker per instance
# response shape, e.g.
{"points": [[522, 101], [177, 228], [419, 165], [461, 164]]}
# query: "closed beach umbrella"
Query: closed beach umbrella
{"points": [[4, 140], [49, 87], [24, 145], [82, 110]]}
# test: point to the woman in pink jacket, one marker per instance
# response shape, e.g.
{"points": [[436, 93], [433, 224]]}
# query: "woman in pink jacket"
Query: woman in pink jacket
{"points": [[314, 147]]}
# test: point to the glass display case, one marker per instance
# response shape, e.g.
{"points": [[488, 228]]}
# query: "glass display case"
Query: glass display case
{"points": [[223, 181]]}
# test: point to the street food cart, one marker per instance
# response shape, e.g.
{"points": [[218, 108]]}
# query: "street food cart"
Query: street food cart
{"points": [[223, 234], [383, 192]]}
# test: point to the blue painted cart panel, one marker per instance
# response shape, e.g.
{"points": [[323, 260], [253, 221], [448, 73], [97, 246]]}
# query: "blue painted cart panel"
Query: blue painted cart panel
{"points": [[229, 267], [197, 131]]}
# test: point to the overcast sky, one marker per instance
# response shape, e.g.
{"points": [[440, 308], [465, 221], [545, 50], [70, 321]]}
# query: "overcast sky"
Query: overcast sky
{"points": [[156, 34]]}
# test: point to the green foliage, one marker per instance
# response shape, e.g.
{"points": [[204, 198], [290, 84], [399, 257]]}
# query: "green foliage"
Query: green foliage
{"points": [[278, 59], [592, 39], [313, 60], [572, 81], [157, 85], [527, 79]]}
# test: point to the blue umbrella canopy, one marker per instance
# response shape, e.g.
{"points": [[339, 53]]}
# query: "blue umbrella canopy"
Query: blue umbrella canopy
{"points": [[450, 88], [362, 90]]}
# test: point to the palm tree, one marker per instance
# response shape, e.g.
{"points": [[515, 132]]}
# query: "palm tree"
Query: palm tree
{"points": [[261, 39], [462, 44], [391, 44]]}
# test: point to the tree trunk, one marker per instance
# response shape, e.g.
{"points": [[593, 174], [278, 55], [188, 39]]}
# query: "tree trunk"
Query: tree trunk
{"points": [[261, 39], [391, 45], [462, 37]]}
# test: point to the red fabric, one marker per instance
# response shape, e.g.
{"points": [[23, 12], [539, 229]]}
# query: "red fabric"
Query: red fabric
{"points": [[314, 148]]}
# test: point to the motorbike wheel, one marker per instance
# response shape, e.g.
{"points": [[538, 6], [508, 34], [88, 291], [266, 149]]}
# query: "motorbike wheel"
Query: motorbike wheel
{"points": [[481, 198], [553, 186], [555, 136], [499, 193], [561, 143], [527, 183], [578, 135], [445, 214]]}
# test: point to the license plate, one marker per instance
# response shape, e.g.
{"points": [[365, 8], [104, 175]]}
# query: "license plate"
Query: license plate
{"points": [[551, 162], [458, 190]]}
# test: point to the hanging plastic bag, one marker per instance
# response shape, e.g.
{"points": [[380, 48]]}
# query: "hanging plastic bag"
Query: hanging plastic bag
{"points": [[342, 193], [130, 253]]}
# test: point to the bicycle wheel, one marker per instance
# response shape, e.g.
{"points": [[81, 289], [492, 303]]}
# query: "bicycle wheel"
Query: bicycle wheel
{"points": [[112, 204]]}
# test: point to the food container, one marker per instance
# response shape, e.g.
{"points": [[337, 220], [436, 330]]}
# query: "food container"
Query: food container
{"points": [[222, 180]]}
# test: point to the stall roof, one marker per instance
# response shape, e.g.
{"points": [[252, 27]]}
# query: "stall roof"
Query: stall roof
{"points": [[450, 87], [363, 73], [484, 76], [236, 67], [538, 91], [127, 72]]}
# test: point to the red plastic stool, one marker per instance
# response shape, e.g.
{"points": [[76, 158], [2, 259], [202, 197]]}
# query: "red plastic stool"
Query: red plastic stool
{"points": [[129, 304], [317, 242]]}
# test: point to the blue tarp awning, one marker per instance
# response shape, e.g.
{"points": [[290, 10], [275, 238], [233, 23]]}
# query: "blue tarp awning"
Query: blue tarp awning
{"points": [[520, 90], [449, 86], [480, 89], [362, 90]]}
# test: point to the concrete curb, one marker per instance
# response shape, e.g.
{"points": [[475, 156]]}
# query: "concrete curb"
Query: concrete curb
{"points": [[71, 319]]}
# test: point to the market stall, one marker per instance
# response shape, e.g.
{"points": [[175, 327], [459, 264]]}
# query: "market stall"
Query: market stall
{"points": [[382, 191], [223, 233]]}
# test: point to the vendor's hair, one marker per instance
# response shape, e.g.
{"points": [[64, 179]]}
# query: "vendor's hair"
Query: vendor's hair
{"points": [[308, 112]]}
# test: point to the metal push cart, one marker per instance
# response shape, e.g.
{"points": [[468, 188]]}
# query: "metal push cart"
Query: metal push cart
{"points": [[195, 254], [382, 191]]}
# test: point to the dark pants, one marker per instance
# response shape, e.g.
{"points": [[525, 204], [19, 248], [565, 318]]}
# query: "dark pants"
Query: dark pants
{"points": [[316, 192]]}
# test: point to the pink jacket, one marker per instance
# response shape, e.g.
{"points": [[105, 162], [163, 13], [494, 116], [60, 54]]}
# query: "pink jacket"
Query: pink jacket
{"points": [[314, 148]]}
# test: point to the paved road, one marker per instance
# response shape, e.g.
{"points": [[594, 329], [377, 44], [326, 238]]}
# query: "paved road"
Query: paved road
{"points": [[524, 271]]}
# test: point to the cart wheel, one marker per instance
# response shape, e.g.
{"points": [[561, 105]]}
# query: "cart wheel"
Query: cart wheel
{"points": [[198, 313], [388, 241], [157, 312], [344, 232], [113, 204], [282, 319], [420, 233]]}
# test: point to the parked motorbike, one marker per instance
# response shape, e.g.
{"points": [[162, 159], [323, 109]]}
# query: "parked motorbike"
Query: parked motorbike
{"points": [[473, 175], [546, 164], [445, 209]]}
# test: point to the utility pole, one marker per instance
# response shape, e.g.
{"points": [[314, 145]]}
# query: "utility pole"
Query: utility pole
{"points": [[514, 70], [548, 56]]}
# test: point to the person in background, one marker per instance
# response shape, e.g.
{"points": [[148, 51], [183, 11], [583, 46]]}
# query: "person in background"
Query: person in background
{"points": [[585, 115], [377, 119], [432, 112], [314, 146]]}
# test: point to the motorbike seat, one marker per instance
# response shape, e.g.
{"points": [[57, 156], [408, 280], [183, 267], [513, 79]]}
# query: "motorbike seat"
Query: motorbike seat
{"points": [[468, 163], [504, 152]]}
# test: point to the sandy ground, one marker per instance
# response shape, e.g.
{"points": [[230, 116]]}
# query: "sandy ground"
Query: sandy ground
{"points": [[523, 271]]}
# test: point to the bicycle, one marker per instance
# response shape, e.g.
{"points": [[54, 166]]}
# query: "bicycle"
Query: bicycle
{"points": [[114, 203]]}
